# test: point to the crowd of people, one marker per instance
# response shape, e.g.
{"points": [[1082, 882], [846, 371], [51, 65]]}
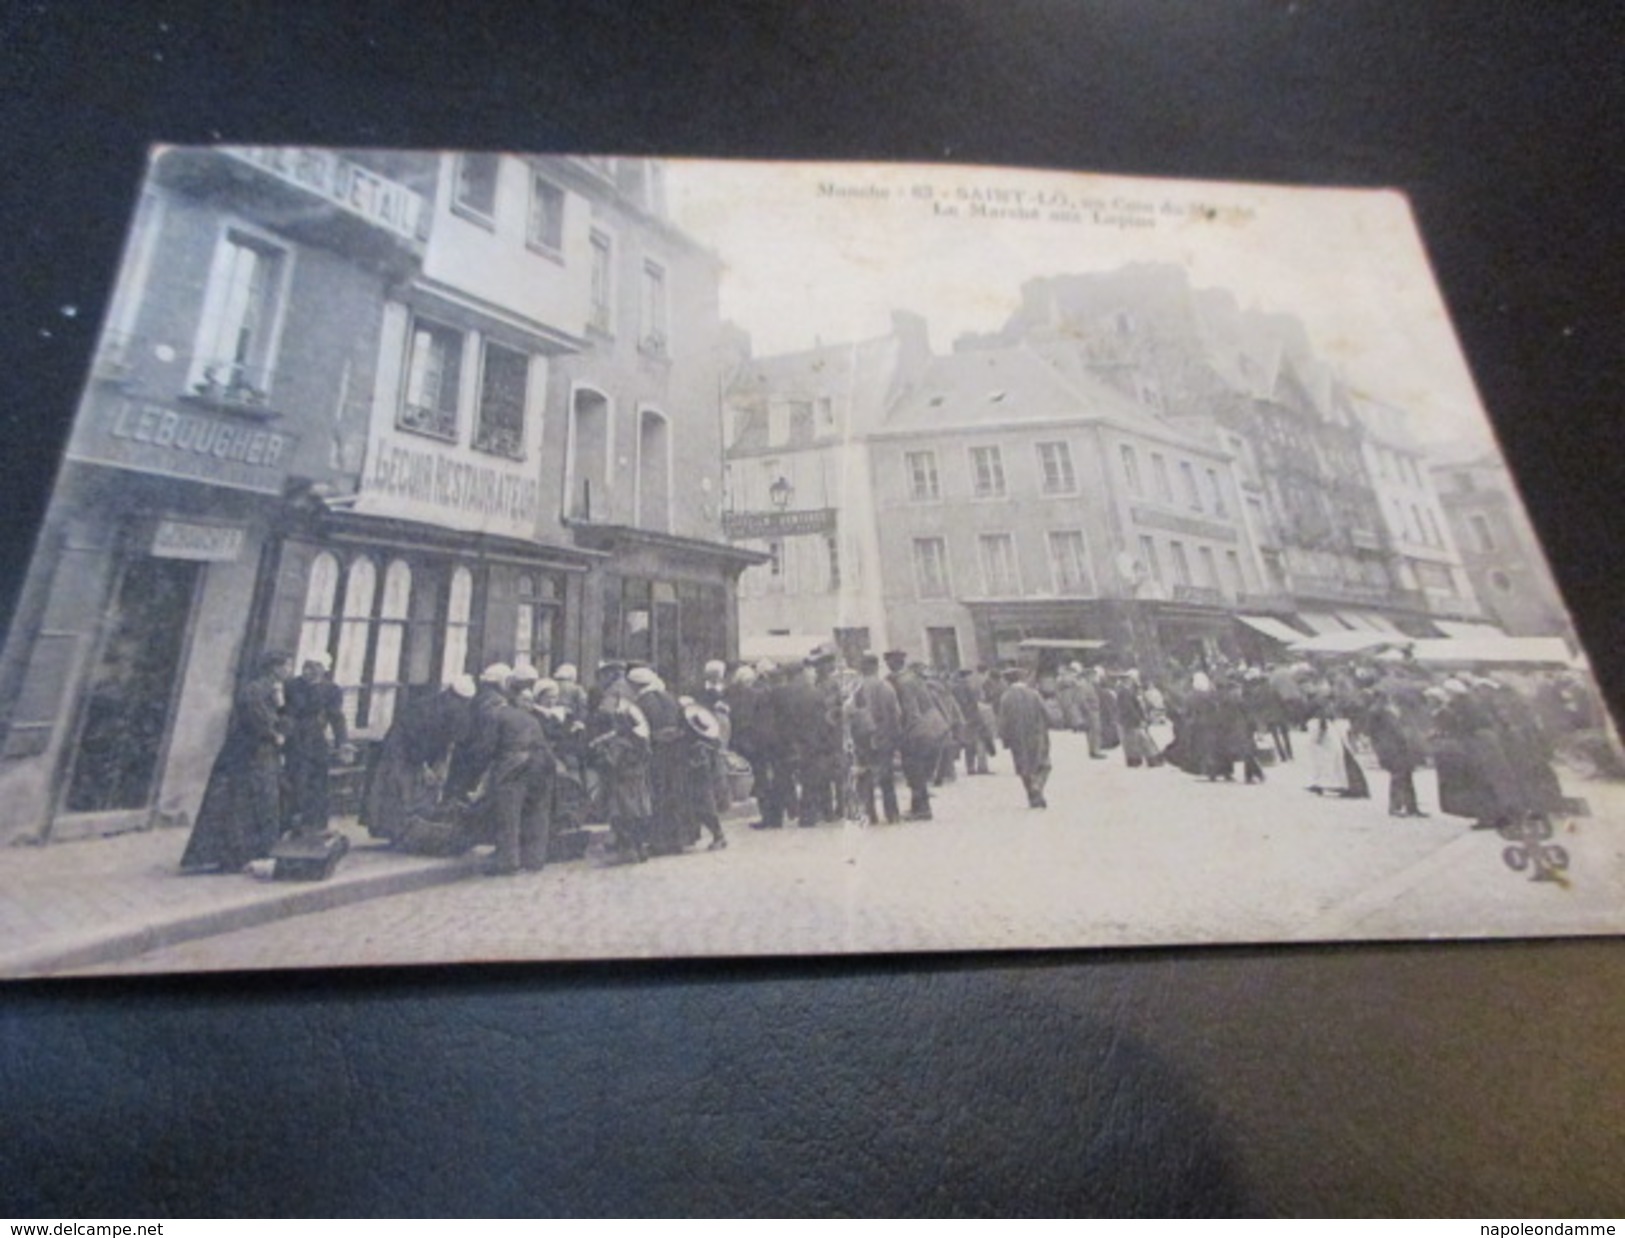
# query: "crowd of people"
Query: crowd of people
{"points": [[516, 760]]}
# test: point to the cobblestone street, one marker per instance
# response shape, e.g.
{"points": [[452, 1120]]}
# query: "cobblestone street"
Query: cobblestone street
{"points": [[1121, 857]]}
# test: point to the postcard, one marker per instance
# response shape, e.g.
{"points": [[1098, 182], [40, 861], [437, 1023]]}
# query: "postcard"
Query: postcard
{"points": [[480, 556]]}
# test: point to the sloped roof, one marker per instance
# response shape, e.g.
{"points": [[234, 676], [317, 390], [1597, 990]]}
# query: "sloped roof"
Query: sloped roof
{"points": [[1015, 386]]}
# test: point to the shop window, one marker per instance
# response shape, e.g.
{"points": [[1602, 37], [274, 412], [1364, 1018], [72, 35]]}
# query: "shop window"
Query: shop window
{"points": [[321, 592], [538, 621], [500, 425], [434, 368], [942, 648], [459, 619], [544, 229], [365, 634], [233, 354], [355, 630], [475, 192]]}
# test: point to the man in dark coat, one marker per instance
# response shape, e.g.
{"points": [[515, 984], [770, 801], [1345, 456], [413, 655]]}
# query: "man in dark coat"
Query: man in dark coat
{"points": [[876, 726], [518, 792], [809, 735], [1024, 728], [241, 816], [419, 740], [924, 730], [313, 711], [968, 697], [775, 780]]}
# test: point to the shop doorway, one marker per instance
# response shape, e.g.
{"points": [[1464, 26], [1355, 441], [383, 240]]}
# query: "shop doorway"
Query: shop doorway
{"points": [[943, 648], [130, 694]]}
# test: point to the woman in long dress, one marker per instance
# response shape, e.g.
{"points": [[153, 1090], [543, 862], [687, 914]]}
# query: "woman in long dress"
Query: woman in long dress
{"points": [[1333, 769], [240, 818]]}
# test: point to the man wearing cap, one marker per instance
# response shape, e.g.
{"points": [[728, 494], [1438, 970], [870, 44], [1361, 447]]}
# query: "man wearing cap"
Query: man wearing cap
{"points": [[412, 756], [813, 720], [313, 709], [924, 730], [473, 755], [1024, 727]]}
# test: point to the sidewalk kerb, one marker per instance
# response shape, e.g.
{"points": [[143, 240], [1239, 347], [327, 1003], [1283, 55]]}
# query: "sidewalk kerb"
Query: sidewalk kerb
{"points": [[115, 943]]}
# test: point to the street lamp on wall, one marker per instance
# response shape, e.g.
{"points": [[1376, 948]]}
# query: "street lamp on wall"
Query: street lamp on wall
{"points": [[779, 493]]}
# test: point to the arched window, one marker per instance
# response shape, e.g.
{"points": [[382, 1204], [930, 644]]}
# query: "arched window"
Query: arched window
{"points": [[321, 592], [383, 681], [654, 472], [355, 628], [586, 472]]}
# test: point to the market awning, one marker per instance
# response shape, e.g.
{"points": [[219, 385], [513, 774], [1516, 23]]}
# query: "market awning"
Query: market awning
{"points": [[1346, 642], [1455, 629], [1323, 623], [1381, 623], [1529, 651], [1272, 628], [1076, 646]]}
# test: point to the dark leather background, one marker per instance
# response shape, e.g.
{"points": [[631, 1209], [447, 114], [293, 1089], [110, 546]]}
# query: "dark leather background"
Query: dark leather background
{"points": [[1479, 1079]]}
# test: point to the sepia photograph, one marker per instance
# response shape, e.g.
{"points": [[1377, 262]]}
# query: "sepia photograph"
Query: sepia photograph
{"points": [[479, 556]]}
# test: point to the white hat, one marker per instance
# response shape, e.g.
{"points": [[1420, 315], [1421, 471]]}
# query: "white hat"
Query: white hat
{"points": [[566, 672], [463, 686], [744, 675], [1201, 683], [716, 668], [497, 672], [323, 660], [524, 674], [642, 676], [545, 686]]}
